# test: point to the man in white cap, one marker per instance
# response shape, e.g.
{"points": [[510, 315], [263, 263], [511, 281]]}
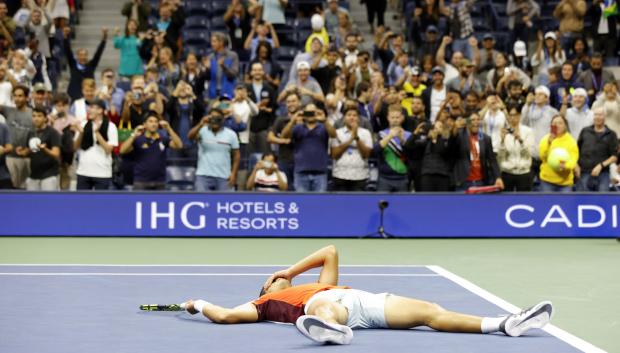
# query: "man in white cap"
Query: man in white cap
{"points": [[537, 114], [309, 90], [520, 59], [578, 115], [316, 46]]}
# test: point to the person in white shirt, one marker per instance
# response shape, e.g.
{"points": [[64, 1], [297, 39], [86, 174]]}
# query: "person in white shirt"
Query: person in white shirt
{"points": [[514, 153], [266, 176], [350, 151], [79, 108], [95, 139], [493, 120], [436, 94], [578, 115]]}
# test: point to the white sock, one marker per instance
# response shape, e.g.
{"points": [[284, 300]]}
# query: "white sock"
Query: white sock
{"points": [[199, 304], [491, 324], [183, 306]]}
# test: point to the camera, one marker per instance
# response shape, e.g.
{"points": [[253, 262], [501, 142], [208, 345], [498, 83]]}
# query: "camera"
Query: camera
{"points": [[511, 130], [307, 113], [60, 115], [137, 96], [383, 204]]}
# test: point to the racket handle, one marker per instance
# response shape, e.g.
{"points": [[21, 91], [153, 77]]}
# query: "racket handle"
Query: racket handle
{"points": [[161, 307]]}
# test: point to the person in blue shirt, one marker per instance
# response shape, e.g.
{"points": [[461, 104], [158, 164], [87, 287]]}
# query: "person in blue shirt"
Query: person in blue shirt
{"points": [[218, 153], [149, 143]]}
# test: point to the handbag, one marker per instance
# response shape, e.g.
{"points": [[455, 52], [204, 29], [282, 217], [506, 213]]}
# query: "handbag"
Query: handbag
{"points": [[124, 132]]}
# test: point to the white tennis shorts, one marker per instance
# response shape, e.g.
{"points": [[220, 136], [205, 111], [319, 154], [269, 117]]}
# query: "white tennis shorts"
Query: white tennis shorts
{"points": [[366, 310]]}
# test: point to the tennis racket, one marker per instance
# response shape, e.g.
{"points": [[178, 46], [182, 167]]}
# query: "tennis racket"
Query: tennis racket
{"points": [[161, 307]]}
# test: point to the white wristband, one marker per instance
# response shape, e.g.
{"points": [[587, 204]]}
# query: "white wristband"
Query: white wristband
{"points": [[200, 304]]}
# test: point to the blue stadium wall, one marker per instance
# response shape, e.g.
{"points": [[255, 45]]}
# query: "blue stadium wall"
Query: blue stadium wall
{"points": [[308, 215]]}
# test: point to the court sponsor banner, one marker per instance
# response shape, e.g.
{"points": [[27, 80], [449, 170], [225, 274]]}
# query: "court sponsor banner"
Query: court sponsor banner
{"points": [[308, 215]]}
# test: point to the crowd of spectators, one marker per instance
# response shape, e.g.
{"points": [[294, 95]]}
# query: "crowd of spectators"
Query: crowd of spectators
{"points": [[274, 95]]}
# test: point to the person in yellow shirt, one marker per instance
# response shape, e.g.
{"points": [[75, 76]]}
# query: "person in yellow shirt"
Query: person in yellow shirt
{"points": [[561, 179], [413, 87], [318, 30]]}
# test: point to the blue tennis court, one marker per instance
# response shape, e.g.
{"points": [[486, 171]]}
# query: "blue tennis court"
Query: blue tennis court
{"points": [[94, 308]]}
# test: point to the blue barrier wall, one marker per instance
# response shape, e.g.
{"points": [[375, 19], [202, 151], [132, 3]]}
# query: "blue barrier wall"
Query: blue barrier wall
{"points": [[307, 215]]}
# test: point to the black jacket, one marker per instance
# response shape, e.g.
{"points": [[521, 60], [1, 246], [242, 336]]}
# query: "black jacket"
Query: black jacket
{"points": [[263, 120], [78, 74], [595, 148], [196, 112], [490, 168]]}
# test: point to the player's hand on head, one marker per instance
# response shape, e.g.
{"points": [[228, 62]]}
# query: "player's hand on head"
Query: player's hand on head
{"points": [[279, 274]]}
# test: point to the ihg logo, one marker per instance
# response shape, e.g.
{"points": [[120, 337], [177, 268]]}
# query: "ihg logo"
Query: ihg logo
{"points": [[187, 214]]}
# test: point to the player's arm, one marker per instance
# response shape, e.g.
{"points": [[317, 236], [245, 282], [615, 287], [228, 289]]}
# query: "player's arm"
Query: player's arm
{"points": [[327, 258], [244, 313]]}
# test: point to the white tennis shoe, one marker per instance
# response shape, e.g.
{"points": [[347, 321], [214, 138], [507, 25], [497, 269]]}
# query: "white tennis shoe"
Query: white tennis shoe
{"points": [[321, 331], [535, 317]]}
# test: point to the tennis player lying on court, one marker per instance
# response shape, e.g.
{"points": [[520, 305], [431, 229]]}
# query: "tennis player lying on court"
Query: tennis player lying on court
{"points": [[326, 312]]}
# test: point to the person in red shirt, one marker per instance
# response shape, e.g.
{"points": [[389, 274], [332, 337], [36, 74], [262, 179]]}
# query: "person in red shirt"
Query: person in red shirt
{"points": [[326, 312]]}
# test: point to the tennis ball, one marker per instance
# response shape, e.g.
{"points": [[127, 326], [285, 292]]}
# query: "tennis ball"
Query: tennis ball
{"points": [[556, 157]]}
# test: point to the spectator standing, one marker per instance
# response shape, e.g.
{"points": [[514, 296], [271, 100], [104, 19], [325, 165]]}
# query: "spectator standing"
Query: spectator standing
{"points": [[184, 110], [19, 122], [604, 29], [273, 70], [139, 11], [548, 54], [263, 95], [578, 115], [44, 153], [5, 148], [598, 148], [375, 8], [39, 24], [562, 179], [80, 66], [434, 95], [571, 14], [64, 123], [393, 175], [283, 144], [218, 153], [476, 164], [96, 138], [261, 32], [331, 16], [266, 177], [350, 151], [537, 114], [562, 89], [610, 100], [460, 25], [466, 81], [307, 86], [110, 93], [268, 10], [79, 108], [521, 17], [435, 149], [494, 118], [595, 78], [239, 24], [515, 153], [150, 145], [222, 66], [310, 132], [129, 45]]}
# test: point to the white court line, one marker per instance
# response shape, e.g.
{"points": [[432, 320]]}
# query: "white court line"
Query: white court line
{"points": [[192, 265], [206, 274], [571, 339]]}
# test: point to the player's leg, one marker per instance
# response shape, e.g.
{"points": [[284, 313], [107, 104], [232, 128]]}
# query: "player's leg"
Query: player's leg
{"points": [[402, 313], [325, 323]]}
